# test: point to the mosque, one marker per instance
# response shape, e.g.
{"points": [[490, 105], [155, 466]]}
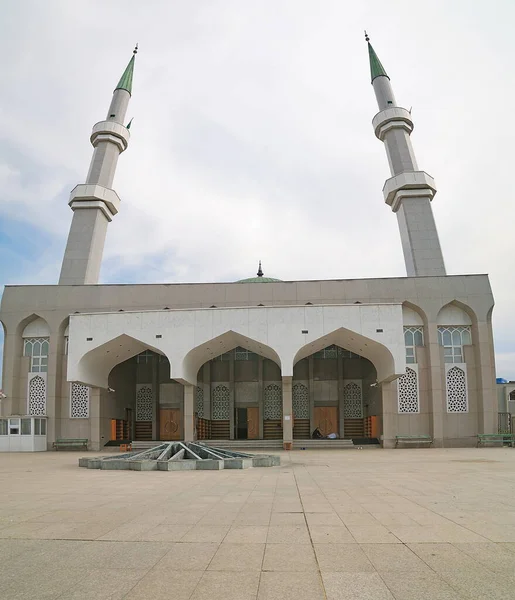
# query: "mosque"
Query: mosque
{"points": [[258, 359]]}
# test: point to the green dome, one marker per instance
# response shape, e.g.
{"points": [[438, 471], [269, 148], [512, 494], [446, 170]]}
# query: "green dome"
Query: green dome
{"points": [[259, 278]]}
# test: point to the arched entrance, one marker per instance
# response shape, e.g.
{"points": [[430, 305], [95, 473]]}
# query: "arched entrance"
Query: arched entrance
{"points": [[334, 392], [239, 397]]}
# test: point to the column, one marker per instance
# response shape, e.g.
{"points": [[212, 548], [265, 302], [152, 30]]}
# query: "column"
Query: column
{"points": [[155, 391], [311, 392], [189, 416], [389, 397], [341, 407], [436, 384], [482, 338], [13, 348], [260, 396], [51, 388], [287, 412], [94, 419], [231, 397]]}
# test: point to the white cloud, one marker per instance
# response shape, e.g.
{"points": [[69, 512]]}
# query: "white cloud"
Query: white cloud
{"points": [[252, 135]]}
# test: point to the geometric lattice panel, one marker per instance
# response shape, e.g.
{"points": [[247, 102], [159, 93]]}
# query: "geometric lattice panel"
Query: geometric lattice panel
{"points": [[200, 401], [407, 388], [456, 383], [273, 402], [352, 400], [220, 403], [300, 401], [37, 396], [144, 403], [79, 401]]}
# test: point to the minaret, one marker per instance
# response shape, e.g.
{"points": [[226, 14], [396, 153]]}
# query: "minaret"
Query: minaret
{"points": [[95, 203], [409, 191]]}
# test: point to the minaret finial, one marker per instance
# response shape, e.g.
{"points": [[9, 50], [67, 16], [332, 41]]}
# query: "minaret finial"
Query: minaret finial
{"points": [[135, 51], [367, 39], [260, 270]]}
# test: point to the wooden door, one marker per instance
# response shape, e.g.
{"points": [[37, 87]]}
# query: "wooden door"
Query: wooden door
{"points": [[326, 419], [253, 423], [170, 424]]}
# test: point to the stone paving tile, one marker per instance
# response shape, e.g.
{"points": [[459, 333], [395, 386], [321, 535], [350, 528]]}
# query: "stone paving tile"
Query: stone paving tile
{"points": [[287, 519], [288, 534], [480, 583], [322, 534], [372, 534], [218, 585], [290, 586], [444, 557], [206, 533], [328, 519], [238, 557], [492, 556], [255, 534], [396, 558], [104, 584], [187, 556], [346, 558], [168, 533], [355, 586], [163, 585], [300, 558], [419, 586]]}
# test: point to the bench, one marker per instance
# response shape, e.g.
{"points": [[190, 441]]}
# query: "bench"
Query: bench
{"points": [[482, 438], [413, 439], [70, 443]]}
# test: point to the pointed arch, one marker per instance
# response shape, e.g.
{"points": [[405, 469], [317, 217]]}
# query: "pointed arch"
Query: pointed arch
{"points": [[201, 354], [93, 368], [456, 313], [378, 354], [408, 308]]}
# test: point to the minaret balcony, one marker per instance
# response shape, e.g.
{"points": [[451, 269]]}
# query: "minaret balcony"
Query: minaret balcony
{"points": [[411, 184], [392, 118], [110, 131], [95, 196]]}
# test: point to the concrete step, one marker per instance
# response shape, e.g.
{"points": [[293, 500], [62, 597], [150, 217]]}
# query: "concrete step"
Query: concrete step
{"points": [[260, 444]]}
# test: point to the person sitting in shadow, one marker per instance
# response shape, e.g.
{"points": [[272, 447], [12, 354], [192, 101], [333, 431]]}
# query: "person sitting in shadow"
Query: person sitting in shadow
{"points": [[317, 435]]}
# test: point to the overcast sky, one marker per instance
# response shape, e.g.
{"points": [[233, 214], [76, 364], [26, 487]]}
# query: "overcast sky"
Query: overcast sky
{"points": [[252, 137]]}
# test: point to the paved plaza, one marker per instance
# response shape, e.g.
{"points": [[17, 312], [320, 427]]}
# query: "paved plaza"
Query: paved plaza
{"points": [[372, 524]]}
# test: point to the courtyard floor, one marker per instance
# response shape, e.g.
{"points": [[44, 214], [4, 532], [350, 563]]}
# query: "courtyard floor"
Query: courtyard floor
{"points": [[373, 524]]}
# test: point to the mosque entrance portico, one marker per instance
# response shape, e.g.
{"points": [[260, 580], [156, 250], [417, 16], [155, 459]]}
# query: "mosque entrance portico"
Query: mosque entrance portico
{"points": [[239, 373]]}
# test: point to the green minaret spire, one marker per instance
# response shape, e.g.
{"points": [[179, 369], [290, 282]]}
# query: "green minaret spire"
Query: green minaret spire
{"points": [[125, 82], [376, 68]]}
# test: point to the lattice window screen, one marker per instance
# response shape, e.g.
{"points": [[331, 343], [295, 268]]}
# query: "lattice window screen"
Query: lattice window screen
{"points": [[200, 401], [79, 401], [273, 402], [456, 383], [352, 399], [300, 401], [220, 403], [37, 395], [144, 403], [407, 391]]}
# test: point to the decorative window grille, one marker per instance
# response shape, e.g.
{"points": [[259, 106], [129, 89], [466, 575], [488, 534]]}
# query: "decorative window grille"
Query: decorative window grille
{"points": [[300, 401], [220, 403], [37, 396], [144, 357], [37, 349], [456, 383], [407, 391], [200, 401], [273, 402], [453, 339], [244, 354], [79, 401], [335, 351], [413, 337], [144, 403], [352, 400]]}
